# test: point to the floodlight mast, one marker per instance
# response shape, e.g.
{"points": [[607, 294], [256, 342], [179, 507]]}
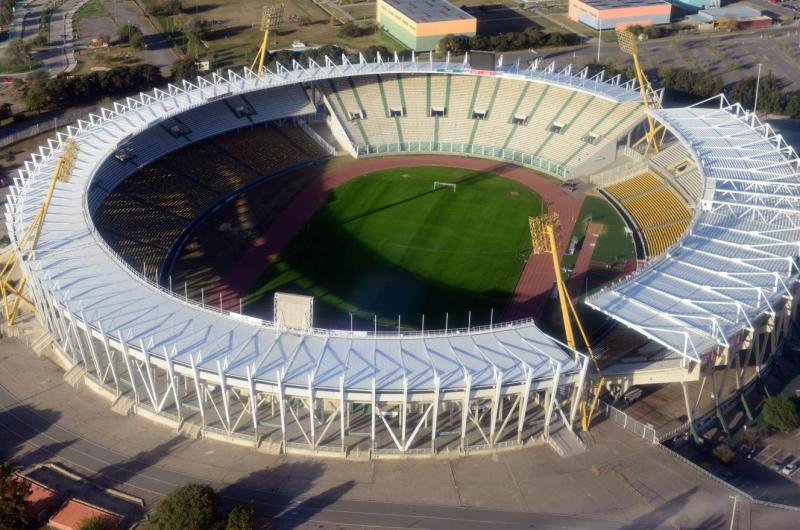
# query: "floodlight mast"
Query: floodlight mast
{"points": [[651, 98], [543, 241], [271, 17], [26, 246]]}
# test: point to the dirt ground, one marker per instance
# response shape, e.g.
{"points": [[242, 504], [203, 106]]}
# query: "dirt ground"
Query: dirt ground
{"points": [[234, 34]]}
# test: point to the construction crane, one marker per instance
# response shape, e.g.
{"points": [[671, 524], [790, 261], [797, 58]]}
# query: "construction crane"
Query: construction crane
{"points": [[26, 245], [650, 96], [544, 234], [271, 17]]}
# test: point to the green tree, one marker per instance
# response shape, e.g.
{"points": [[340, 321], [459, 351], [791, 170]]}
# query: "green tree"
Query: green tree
{"points": [[13, 500], [190, 507], [184, 68], [130, 34], [240, 518], [18, 52], [781, 413], [793, 107], [36, 97], [165, 8], [453, 43], [97, 523], [770, 98]]}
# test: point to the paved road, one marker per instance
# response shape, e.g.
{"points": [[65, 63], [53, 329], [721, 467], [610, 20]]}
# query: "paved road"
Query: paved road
{"points": [[159, 51], [23, 426]]}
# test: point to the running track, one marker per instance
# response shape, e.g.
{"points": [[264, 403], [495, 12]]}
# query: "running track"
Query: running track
{"points": [[536, 278]]}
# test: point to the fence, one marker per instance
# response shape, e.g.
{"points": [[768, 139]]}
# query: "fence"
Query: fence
{"points": [[50, 124], [646, 432], [485, 151], [328, 148]]}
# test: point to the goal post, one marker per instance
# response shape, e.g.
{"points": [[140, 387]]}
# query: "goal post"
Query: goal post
{"points": [[437, 185]]}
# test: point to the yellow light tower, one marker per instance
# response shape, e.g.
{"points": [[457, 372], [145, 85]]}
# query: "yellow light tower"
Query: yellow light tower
{"points": [[27, 244], [627, 43], [544, 230], [271, 17]]}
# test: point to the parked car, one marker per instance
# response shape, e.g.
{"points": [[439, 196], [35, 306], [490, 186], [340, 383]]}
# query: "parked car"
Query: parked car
{"points": [[789, 468], [753, 452]]}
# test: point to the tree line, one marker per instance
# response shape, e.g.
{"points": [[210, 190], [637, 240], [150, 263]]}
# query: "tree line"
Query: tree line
{"points": [[41, 92], [697, 84], [513, 40]]}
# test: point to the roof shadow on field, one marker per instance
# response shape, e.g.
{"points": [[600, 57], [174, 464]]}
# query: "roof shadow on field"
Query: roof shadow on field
{"points": [[382, 288]]}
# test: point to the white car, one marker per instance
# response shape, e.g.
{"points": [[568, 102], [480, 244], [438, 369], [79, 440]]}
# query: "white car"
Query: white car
{"points": [[789, 468]]}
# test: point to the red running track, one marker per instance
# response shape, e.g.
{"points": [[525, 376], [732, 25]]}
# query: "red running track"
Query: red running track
{"points": [[535, 280], [578, 282]]}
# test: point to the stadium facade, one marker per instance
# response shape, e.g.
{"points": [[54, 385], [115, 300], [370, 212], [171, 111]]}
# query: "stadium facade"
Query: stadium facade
{"points": [[724, 286]]}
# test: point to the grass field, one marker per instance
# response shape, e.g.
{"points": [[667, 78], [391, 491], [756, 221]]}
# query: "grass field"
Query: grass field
{"points": [[612, 246], [387, 244]]}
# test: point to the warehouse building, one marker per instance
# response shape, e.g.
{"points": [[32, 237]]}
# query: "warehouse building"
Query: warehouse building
{"points": [[619, 14], [421, 24]]}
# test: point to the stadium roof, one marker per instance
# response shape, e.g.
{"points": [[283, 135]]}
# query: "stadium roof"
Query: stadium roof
{"points": [[95, 289], [422, 11], [739, 256], [621, 4]]}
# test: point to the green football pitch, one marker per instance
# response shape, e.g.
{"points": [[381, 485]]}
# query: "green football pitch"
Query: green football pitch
{"points": [[388, 244]]}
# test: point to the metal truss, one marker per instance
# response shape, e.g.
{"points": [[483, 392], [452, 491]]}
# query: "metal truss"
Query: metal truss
{"points": [[737, 261]]}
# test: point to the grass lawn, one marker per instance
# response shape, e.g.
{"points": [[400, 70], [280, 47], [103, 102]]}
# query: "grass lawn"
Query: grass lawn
{"points": [[614, 245], [89, 10], [388, 244]]}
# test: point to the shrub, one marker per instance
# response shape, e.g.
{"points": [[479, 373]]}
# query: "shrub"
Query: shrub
{"points": [[97, 523], [194, 506], [781, 413], [240, 518], [165, 8], [13, 501]]}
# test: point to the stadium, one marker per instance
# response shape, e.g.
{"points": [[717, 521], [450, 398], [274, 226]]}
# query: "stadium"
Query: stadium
{"points": [[134, 310]]}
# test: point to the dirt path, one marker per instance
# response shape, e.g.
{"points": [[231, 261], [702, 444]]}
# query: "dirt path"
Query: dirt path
{"points": [[533, 285]]}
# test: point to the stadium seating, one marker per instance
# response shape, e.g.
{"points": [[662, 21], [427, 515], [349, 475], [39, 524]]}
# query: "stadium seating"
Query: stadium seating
{"points": [[145, 213], [556, 124], [657, 210]]}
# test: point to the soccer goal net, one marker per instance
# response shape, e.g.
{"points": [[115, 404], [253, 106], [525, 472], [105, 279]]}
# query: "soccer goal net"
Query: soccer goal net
{"points": [[437, 185]]}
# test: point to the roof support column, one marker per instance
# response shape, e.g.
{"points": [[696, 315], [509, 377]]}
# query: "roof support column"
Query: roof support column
{"points": [[551, 401], [523, 411], [341, 410], [311, 407], [253, 403], [689, 410], [223, 388], [403, 414], [92, 353], [465, 412], [577, 396], [436, 398], [109, 357], [73, 323], [498, 385], [69, 348], [279, 376], [374, 415], [173, 382], [126, 358], [198, 392]]}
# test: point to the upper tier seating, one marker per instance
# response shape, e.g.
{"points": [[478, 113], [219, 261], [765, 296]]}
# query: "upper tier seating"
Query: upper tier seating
{"points": [[553, 123]]}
